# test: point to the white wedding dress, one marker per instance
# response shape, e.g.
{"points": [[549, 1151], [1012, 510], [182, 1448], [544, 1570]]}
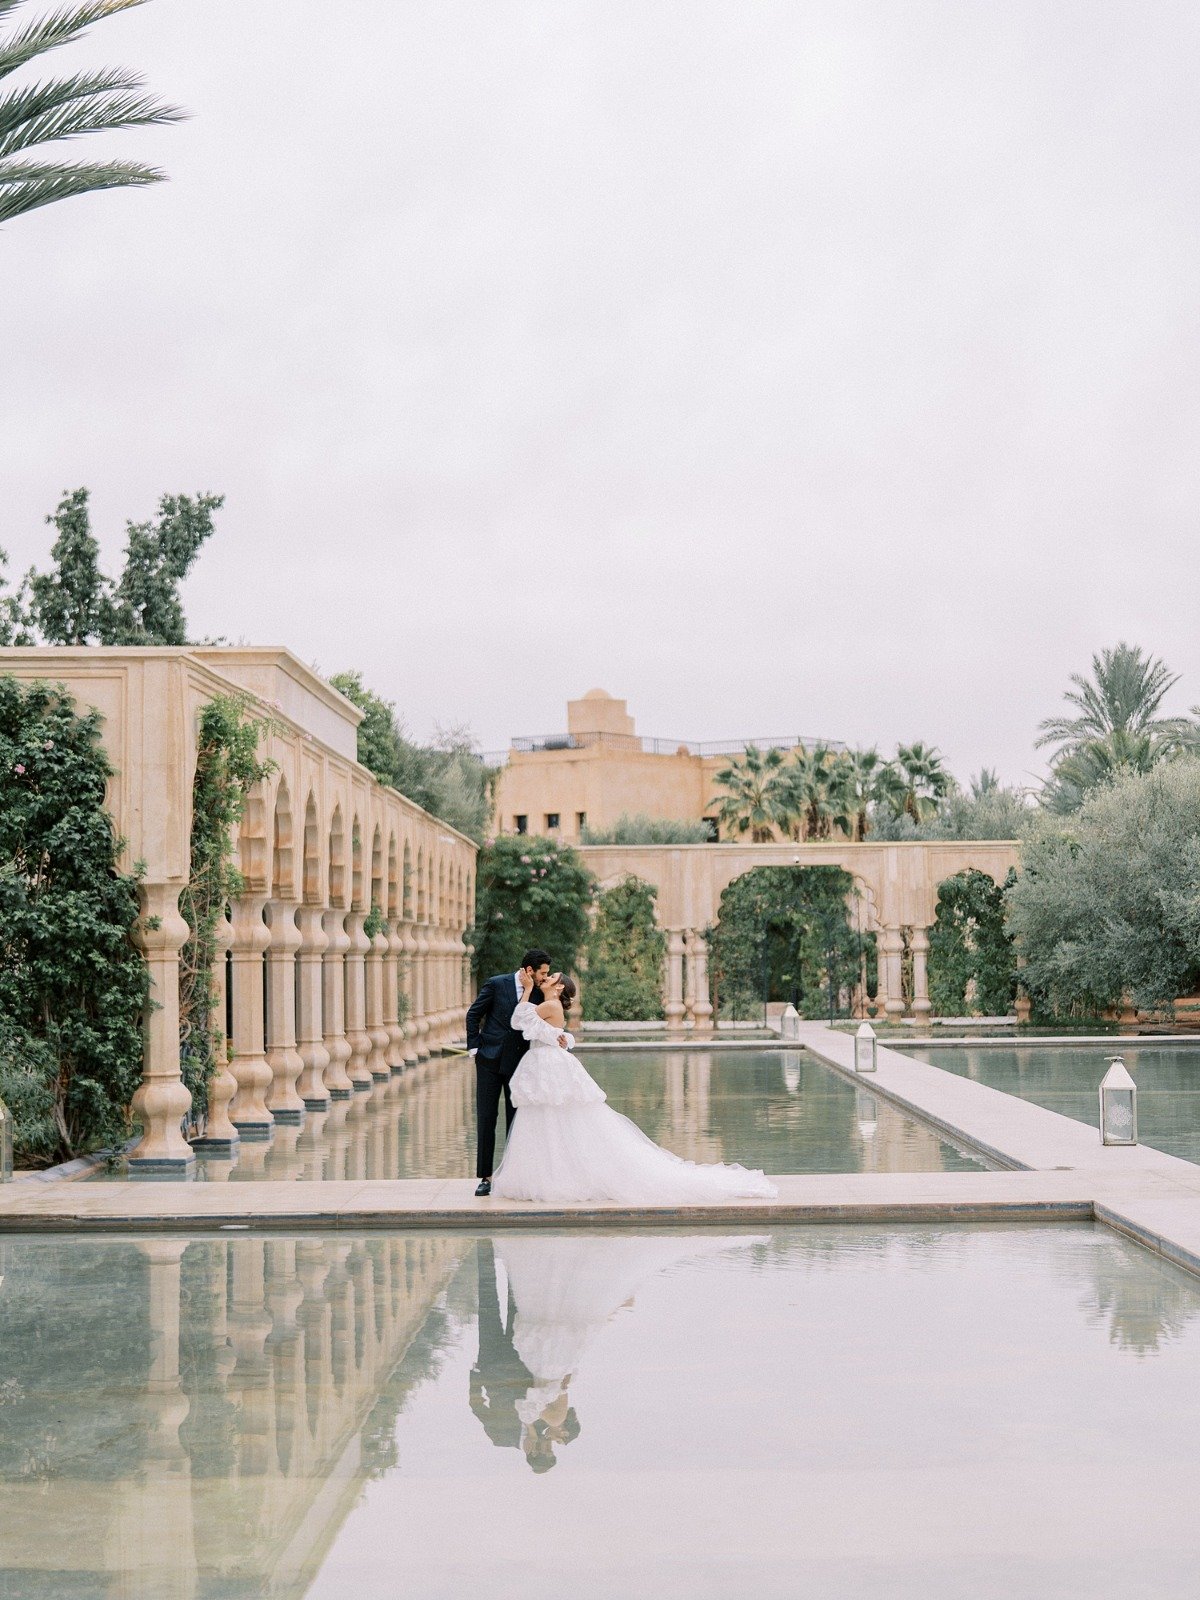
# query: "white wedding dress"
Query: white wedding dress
{"points": [[569, 1145]]}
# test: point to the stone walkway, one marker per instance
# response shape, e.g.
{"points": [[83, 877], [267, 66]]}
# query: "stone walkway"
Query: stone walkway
{"points": [[1057, 1171]]}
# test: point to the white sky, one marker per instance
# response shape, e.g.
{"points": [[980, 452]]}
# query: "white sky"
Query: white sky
{"points": [[781, 367]]}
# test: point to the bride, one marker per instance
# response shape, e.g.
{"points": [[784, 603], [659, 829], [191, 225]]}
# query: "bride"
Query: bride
{"points": [[568, 1145]]}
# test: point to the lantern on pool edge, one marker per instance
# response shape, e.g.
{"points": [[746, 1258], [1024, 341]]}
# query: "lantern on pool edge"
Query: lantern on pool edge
{"points": [[1118, 1105], [6, 1143], [864, 1049]]}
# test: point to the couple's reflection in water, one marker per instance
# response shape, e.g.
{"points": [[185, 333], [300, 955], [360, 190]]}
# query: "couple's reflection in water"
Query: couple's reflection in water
{"points": [[543, 1299]]}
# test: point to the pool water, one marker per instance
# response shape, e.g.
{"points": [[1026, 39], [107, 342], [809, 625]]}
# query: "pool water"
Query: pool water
{"points": [[842, 1411], [1066, 1078], [780, 1110]]}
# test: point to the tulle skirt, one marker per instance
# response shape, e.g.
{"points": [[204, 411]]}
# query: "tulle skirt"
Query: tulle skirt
{"points": [[567, 1144]]}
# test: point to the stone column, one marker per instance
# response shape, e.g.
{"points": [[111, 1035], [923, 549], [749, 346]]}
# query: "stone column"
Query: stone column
{"points": [[356, 1001], [699, 999], [220, 1137], [161, 1101], [674, 981], [333, 978], [391, 999], [250, 1068], [377, 1062], [891, 951], [419, 978], [409, 956], [314, 1057], [283, 1101], [920, 953]]}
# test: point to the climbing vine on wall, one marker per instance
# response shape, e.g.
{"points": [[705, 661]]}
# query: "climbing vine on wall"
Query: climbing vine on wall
{"points": [[785, 933], [228, 765], [971, 957], [624, 956], [73, 988]]}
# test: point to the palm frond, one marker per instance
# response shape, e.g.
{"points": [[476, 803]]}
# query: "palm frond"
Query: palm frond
{"points": [[26, 185], [66, 110], [59, 28]]}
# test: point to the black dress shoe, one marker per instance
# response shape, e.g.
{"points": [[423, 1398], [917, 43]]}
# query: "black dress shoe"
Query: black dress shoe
{"points": [[485, 1186]]}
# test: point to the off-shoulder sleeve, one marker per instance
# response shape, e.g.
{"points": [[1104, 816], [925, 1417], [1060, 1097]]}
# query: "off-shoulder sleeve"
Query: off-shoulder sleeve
{"points": [[526, 1020]]}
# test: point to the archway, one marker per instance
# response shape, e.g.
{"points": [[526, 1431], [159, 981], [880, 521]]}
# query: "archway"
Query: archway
{"points": [[792, 935]]}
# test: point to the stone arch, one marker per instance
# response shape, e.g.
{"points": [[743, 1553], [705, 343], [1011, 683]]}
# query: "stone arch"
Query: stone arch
{"points": [[337, 859], [283, 870], [357, 902], [393, 881], [378, 885], [252, 840], [310, 872]]}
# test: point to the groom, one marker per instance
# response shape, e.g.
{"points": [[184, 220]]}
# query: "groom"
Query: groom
{"points": [[498, 1047]]}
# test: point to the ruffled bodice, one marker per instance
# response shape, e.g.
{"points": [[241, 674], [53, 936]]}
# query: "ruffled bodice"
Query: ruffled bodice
{"points": [[549, 1075]]}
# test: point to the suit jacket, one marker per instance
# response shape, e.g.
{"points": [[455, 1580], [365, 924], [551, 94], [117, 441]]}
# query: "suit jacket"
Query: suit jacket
{"points": [[490, 1033]]}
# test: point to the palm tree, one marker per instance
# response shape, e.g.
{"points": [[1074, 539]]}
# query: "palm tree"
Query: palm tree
{"points": [[46, 113], [1123, 697], [926, 781], [862, 775], [1118, 728], [757, 800]]}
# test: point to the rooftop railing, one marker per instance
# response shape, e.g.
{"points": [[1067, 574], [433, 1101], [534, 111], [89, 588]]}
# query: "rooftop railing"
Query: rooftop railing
{"points": [[530, 743]]}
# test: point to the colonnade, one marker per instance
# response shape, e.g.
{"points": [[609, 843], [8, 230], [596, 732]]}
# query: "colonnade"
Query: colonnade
{"points": [[687, 997]]}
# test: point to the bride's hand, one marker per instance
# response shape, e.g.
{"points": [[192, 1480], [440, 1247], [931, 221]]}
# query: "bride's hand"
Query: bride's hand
{"points": [[526, 983]]}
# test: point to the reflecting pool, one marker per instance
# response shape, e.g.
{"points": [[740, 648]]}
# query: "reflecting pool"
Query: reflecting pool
{"points": [[1066, 1078], [842, 1411], [780, 1110]]}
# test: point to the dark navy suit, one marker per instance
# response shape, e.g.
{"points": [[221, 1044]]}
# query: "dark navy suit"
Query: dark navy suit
{"points": [[498, 1050]]}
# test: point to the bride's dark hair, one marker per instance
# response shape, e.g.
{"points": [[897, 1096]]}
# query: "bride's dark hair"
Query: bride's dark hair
{"points": [[569, 991]]}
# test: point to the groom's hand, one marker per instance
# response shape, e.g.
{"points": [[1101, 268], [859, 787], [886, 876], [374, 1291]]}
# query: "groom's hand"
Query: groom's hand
{"points": [[562, 1041]]}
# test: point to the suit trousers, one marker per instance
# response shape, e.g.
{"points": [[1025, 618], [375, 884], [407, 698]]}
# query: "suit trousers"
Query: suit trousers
{"points": [[491, 1081]]}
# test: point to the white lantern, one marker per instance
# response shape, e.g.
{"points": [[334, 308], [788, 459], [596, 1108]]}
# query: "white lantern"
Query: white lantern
{"points": [[866, 1112], [789, 1023], [865, 1048], [1118, 1105], [6, 1143]]}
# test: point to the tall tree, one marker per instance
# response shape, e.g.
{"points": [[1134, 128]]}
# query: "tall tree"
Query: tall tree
{"points": [[758, 796], [72, 603], [1116, 726], [36, 119], [158, 556], [926, 781]]}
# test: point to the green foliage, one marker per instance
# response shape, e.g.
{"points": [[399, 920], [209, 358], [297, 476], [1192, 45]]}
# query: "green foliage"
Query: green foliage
{"points": [[530, 892], [1116, 727], [446, 778], [784, 933], [625, 951], [996, 812], [75, 604], [641, 829], [45, 112], [822, 793], [227, 767], [969, 943], [73, 989], [1107, 904]]}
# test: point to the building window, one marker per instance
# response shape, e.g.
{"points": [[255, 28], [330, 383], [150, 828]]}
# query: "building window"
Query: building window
{"points": [[714, 832], [521, 824], [580, 822], [551, 821]]}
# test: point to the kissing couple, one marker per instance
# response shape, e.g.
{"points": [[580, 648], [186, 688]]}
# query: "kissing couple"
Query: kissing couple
{"points": [[568, 1145]]}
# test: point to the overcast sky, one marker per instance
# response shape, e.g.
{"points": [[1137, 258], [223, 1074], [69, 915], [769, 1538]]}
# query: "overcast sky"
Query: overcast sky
{"points": [[798, 367]]}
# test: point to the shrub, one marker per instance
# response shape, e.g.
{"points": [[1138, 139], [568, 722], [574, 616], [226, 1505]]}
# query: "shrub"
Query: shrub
{"points": [[625, 951], [969, 943], [73, 988], [641, 829], [530, 892]]}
